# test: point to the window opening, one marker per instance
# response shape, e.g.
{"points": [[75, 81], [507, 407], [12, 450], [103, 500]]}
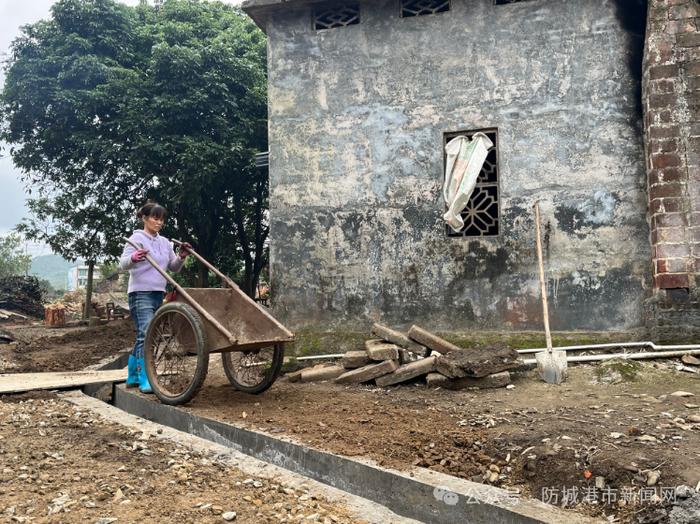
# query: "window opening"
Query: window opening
{"points": [[341, 15], [423, 7]]}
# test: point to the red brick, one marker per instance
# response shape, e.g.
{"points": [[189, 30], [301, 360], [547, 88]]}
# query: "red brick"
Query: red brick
{"points": [[692, 159], [664, 71], [663, 160], [684, 25], [666, 190], [674, 281], [670, 235], [672, 174], [663, 86], [672, 251], [693, 112], [693, 83], [694, 235], [664, 131], [665, 205], [688, 39], [669, 220], [671, 265], [663, 146], [695, 265], [659, 101], [679, 12]]}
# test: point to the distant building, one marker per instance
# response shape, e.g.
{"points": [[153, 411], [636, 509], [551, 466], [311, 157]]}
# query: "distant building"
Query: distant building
{"points": [[78, 277]]}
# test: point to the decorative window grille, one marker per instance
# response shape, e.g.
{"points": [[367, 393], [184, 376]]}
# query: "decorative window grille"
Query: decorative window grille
{"points": [[341, 15], [423, 7], [504, 2], [481, 216]]}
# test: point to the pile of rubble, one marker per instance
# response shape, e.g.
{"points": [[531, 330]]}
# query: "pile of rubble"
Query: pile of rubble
{"points": [[393, 358], [22, 295]]}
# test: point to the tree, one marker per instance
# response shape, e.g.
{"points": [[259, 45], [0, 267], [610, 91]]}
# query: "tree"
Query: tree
{"points": [[13, 260], [114, 104], [76, 226]]}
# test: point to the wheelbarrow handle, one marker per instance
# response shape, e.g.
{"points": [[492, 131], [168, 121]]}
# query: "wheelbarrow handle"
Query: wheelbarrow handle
{"points": [[192, 302], [226, 280]]}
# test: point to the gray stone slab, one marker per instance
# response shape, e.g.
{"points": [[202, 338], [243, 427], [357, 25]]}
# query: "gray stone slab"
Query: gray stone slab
{"points": [[408, 371], [367, 373], [431, 341], [401, 340], [380, 350], [320, 373], [354, 359]]}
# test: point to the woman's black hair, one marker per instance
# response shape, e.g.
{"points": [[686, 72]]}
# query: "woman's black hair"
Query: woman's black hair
{"points": [[152, 209]]}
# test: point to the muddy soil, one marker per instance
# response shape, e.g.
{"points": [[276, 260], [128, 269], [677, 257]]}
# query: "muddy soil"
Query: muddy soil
{"points": [[537, 437], [41, 349], [59, 464]]}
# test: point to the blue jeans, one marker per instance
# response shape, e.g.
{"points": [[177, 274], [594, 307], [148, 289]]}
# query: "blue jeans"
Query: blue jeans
{"points": [[143, 305]]}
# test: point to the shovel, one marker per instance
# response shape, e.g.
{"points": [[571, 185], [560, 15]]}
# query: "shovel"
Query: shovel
{"points": [[551, 365]]}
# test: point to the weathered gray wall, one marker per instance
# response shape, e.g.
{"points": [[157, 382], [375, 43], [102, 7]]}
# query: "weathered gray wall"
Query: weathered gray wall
{"points": [[357, 117]]}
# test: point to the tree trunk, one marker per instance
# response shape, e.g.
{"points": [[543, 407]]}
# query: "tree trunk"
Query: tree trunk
{"points": [[88, 291], [202, 276]]}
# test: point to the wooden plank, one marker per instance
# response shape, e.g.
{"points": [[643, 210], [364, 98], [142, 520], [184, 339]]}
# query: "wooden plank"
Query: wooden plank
{"points": [[20, 382]]}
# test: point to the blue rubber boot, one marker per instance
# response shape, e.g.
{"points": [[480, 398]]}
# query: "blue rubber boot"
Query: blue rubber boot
{"points": [[144, 385], [132, 379]]}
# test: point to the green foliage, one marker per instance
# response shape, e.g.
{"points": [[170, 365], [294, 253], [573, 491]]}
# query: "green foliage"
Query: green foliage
{"points": [[13, 260], [105, 105]]}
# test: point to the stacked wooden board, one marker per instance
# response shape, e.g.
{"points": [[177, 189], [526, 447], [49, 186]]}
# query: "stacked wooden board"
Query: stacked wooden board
{"points": [[393, 358]]}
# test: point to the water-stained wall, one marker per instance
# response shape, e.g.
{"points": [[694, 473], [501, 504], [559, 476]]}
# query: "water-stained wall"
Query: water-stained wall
{"points": [[357, 117]]}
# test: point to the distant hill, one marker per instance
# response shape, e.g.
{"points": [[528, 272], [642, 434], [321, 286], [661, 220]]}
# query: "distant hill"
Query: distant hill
{"points": [[53, 268]]}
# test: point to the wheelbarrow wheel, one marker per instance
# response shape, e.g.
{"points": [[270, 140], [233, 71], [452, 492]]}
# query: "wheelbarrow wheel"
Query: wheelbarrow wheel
{"points": [[254, 370], [175, 353]]}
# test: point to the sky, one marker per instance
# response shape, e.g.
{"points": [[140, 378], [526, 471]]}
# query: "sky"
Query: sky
{"points": [[13, 15]]}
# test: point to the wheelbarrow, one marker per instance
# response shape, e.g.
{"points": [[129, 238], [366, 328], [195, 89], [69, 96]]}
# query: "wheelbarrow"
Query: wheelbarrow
{"points": [[196, 322]]}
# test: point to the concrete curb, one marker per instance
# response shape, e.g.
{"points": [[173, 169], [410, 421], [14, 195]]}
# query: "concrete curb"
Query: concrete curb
{"points": [[423, 495]]}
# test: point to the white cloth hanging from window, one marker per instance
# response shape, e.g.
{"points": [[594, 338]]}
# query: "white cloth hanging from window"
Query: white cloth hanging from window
{"points": [[465, 158]]}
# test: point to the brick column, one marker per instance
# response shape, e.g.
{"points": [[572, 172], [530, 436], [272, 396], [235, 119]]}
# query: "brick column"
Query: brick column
{"points": [[671, 100]]}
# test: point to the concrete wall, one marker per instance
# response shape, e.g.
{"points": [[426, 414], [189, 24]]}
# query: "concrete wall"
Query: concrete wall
{"points": [[672, 132], [357, 117]]}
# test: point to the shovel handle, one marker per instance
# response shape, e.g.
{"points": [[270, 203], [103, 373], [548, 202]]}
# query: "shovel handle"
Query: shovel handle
{"points": [[543, 288]]}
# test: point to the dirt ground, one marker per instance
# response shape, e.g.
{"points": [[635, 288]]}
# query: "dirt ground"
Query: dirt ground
{"points": [[64, 349], [538, 436], [61, 464], [635, 440]]}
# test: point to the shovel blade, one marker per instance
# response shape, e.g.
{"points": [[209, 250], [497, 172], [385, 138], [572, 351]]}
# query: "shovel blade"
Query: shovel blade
{"points": [[552, 367]]}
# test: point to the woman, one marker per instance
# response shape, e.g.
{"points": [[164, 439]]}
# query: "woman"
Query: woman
{"points": [[146, 285]]}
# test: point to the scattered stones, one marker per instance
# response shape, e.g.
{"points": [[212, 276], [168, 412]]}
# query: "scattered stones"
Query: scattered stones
{"points": [[682, 394], [690, 360], [647, 438], [229, 516]]}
